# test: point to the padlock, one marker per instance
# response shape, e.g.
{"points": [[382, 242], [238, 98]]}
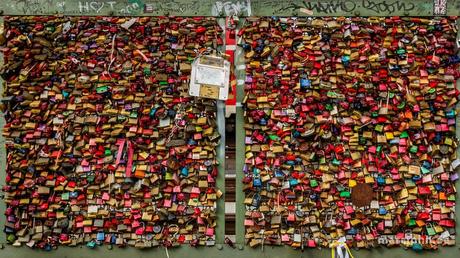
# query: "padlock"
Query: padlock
{"points": [[326, 131], [103, 136]]}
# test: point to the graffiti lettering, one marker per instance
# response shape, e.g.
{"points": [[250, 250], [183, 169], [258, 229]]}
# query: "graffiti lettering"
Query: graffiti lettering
{"points": [[324, 7], [98, 7], [130, 8], [86, 7], [230, 8], [32, 6], [346, 6], [175, 6], [385, 7], [440, 7]]}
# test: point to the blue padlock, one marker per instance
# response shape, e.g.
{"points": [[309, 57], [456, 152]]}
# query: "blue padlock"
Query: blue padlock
{"points": [[426, 164], [394, 141], [352, 231], [290, 162], [437, 138], [450, 114], [345, 59], [438, 187], [73, 195], [279, 173], [305, 83], [314, 197], [257, 182], [256, 200], [380, 180], [382, 210], [152, 112], [295, 134], [8, 230], [184, 171], [65, 94], [293, 182], [417, 247], [100, 236]]}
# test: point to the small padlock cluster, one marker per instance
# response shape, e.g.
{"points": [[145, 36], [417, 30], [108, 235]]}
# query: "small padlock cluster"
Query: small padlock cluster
{"points": [[333, 105], [104, 144]]}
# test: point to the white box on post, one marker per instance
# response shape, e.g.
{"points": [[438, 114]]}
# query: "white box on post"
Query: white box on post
{"points": [[210, 78]]}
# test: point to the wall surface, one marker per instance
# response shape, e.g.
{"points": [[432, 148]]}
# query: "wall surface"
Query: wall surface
{"points": [[232, 7]]}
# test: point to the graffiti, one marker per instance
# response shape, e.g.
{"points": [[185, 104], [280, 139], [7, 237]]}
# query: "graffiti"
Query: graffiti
{"points": [[132, 7], [175, 6], [336, 6], [32, 6], [440, 7], [93, 6], [230, 8], [386, 7], [98, 6], [60, 6]]}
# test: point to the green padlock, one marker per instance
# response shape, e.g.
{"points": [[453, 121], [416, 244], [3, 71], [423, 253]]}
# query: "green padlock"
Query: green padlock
{"points": [[313, 183], [274, 137], [322, 160], [402, 105], [345, 194], [147, 71], [65, 196], [91, 178], [168, 176], [11, 238], [133, 115], [107, 152], [430, 230], [336, 162], [400, 51], [102, 89], [425, 170], [91, 244]]}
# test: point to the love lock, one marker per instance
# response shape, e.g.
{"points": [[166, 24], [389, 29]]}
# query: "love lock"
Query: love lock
{"points": [[106, 111], [323, 132]]}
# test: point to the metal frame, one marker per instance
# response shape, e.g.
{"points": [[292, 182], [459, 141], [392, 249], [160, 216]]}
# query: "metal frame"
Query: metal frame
{"points": [[222, 8]]}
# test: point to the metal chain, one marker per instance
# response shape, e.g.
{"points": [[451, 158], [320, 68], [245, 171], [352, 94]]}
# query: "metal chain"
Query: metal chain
{"points": [[179, 122]]}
